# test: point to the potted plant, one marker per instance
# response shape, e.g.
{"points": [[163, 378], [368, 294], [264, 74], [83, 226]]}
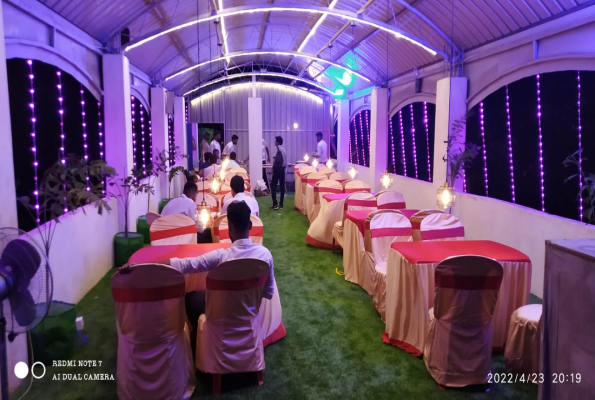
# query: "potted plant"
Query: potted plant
{"points": [[124, 189], [587, 184], [65, 189]]}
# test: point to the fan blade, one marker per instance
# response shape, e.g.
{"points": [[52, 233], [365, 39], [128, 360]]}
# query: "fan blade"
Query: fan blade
{"points": [[23, 307], [24, 259]]}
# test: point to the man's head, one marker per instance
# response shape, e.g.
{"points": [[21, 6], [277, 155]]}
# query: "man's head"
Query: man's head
{"points": [[217, 136], [216, 154], [233, 155], [278, 140], [191, 190], [234, 139], [237, 185], [213, 158], [318, 136], [238, 219], [208, 156]]}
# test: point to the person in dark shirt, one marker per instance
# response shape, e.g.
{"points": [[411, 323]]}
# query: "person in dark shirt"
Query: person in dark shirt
{"points": [[207, 163]]}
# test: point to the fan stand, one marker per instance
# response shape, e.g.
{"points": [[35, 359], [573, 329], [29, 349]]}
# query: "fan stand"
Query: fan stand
{"points": [[3, 358]]}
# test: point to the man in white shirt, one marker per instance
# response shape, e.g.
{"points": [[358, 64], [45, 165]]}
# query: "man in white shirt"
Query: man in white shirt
{"points": [[321, 148], [215, 145], [230, 147], [211, 169], [279, 166], [232, 161], [238, 217], [237, 194], [185, 204]]}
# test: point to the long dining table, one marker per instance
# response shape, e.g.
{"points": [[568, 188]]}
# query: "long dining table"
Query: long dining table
{"points": [[272, 328], [410, 287]]}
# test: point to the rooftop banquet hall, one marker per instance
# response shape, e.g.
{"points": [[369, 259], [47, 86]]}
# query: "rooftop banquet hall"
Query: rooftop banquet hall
{"points": [[305, 199]]}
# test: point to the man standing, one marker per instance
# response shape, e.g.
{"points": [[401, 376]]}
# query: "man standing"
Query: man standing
{"points": [[237, 194], [279, 165], [321, 148], [215, 145], [230, 147], [266, 158]]}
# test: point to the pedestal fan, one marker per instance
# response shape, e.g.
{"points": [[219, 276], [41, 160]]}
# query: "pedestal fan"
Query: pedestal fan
{"points": [[25, 290]]}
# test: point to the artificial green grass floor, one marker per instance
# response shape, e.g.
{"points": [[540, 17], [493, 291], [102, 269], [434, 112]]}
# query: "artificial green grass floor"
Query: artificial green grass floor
{"points": [[333, 347]]}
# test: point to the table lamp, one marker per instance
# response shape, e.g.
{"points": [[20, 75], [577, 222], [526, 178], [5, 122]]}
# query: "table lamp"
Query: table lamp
{"points": [[352, 172], [446, 196], [306, 157], [329, 164], [315, 162], [215, 186], [386, 180]]}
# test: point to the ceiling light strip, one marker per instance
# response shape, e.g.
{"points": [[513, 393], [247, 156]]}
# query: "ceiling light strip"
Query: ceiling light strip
{"points": [[279, 85], [315, 27]]}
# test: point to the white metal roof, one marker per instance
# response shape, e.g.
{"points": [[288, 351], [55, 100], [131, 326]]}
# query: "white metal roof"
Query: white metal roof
{"points": [[441, 25]]}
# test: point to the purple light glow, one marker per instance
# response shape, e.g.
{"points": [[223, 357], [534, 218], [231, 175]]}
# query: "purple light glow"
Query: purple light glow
{"points": [[367, 114], [580, 145], [540, 145], [427, 140], [361, 128], [100, 130], [392, 145], [84, 133], [356, 137], [413, 138], [61, 112], [402, 143], [483, 141], [133, 132], [142, 132], [350, 153], [512, 191], [34, 147]]}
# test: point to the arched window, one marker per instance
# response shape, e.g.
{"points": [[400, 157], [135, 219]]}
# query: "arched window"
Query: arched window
{"points": [[142, 136], [359, 139]]}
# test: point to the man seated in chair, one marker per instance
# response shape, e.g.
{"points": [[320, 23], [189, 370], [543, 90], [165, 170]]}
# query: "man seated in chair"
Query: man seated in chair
{"points": [[233, 161], [237, 193], [186, 204], [238, 217]]}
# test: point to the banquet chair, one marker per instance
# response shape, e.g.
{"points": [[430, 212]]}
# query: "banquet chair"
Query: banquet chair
{"points": [[383, 227], [152, 217], [220, 232], [173, 229], [211, 201], [320, 189], [300, 171], [355, 201], [416, 222], [441, 227], [356, 186], [154, 353], [242, 174], [205, 187], [340, 177], [229, 196], [326, 170], [523, 346], [390, 200], [308, 183], [458, 347], [228, 338], [238, 169]]}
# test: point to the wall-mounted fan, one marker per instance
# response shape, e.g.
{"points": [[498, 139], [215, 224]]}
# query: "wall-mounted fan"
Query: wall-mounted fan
{"points": [[25, 290]]}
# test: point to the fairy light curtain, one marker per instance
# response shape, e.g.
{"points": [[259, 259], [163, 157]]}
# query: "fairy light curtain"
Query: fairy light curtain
{"points": [[411, 141], [52, 116], [359, 139], [171, 139], [142, 136], [529, 127]]}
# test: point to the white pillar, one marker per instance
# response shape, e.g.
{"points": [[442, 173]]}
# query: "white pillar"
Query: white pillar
{"points": [[118, 122], [180, 128], [451, 106], [343, 135], [255, 137], [379, 135], [159, 129]]}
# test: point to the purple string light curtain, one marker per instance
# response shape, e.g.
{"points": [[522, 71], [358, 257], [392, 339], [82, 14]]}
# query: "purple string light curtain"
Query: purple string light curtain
{"points": [[359, 134]]}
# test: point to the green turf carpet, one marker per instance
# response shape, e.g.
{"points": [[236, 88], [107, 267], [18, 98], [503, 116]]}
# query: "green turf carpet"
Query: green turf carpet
{"points": [[333, 348]]}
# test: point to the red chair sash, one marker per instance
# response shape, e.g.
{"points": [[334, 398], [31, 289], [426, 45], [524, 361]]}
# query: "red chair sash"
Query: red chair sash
{"points": [[312, 181], [468, 282], [318, 189], [392, 206], [443, 233], [384, 232], [183, 230], [353, 190], [236, 286], [142, 295], [224, 233], [359, 203]]}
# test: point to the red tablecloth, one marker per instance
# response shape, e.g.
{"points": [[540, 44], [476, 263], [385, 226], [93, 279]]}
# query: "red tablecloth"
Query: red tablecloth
{"points": [[408, 212], [436, 251], [194, 282], [337, 196], [358, 217]]}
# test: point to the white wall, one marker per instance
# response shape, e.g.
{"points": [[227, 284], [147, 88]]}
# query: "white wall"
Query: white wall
{"points": [[520, 227]]}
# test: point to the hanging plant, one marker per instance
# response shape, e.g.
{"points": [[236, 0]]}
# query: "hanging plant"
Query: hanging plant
{"points": [[587, 184], [458, 159]]}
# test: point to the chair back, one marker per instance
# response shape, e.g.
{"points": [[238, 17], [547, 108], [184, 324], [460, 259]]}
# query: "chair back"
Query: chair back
{"points": [[226, 198], [314, 177], [326, 187], [152, 217], [242, 174], [359, 201], [225, 188], [416, 222], [340, 177], [390, 200], [306, 170], [230, 340], [173, 229], [211, 201], [297, 167], [249, 194], [442, 227], [220, 231], [238, 169], [326, 170], [154, 359], [356, 186], [383, 227]]}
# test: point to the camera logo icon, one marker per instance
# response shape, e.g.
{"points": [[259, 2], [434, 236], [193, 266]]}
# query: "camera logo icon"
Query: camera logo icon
{"points": [[21, 370]]}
